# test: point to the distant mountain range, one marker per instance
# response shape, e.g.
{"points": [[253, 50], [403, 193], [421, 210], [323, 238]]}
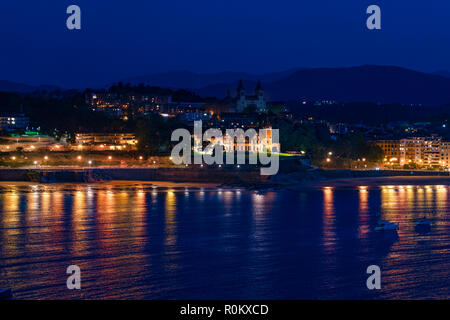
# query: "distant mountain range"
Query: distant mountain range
{"points": [[369, 83], [194, 81], [443, 73], [9, 86], [381, 84]]}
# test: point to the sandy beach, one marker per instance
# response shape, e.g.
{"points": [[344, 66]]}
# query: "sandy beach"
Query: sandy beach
{"points": [[381, 181]]}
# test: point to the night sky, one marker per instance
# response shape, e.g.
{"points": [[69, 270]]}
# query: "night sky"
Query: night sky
{"points": [[121, 39]]}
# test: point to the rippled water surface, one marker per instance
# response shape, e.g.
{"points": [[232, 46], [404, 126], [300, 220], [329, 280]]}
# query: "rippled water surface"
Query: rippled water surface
{"points": [[134, 240]]}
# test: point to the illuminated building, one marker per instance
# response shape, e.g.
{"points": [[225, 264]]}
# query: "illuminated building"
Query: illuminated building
{"points": [[27, 143], [257, 101], [236, 120], [127, 106], [430, 152], [391, 150], [11, 122], [262, 141], [411, 150], [445, 153], [105, 141], [189, 117]]}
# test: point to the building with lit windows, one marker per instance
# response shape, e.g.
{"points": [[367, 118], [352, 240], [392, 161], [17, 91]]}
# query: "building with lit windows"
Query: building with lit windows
{"points": [[391, 150], [105, 141], [127, 106], [411, 150], [261, 141], [445, 153], [427, 152], [256, 101], [432, 151], [12, 122]]}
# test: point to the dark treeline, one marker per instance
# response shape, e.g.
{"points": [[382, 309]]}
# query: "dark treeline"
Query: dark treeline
{"points": [[127, 89], [154, 134], [63, 112], [66, 110], [315, 140], [370, 113]]}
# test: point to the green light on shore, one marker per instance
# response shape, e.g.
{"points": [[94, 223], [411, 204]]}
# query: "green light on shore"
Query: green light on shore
{"points": [[29, 134], [287, 155]]}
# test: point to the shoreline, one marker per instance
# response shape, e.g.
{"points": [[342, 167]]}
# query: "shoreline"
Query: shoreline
{"points": [[159, 184], [380, 181], [292, 175], [344, 182]]}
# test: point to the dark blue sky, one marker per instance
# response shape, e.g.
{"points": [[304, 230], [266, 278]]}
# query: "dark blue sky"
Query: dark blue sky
{"points": [[129, 38]]}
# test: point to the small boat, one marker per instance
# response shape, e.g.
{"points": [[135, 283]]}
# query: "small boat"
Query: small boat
{"points": [[5, 294], [386, 225], [423, 222]]}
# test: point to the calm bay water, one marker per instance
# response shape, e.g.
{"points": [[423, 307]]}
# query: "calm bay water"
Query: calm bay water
{"points": [[133, 240]]}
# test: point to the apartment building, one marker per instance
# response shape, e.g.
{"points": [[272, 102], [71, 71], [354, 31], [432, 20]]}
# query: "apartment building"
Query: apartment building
{"points": [[430, 152]]}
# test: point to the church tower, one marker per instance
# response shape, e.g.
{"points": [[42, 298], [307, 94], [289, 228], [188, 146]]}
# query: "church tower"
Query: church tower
{"points": [[240, 89], [258, 90], [260, 99], [257, 101]]}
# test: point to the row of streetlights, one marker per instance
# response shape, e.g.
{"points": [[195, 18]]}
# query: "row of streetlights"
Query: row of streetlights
{"points": [[328, 159], [80, 158]]}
